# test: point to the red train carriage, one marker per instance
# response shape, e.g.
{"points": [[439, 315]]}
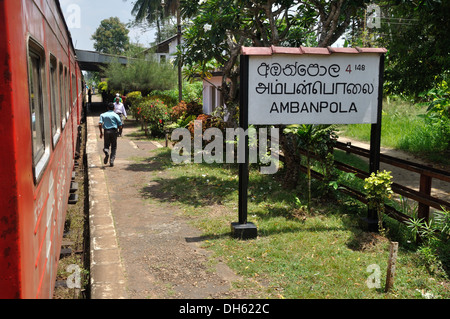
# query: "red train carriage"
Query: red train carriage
{"points": [[40, 110]]}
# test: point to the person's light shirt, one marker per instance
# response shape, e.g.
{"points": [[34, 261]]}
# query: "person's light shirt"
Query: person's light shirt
{"points": [[110, 120], [119, 108]]}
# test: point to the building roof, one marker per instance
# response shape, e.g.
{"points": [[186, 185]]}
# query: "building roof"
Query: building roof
{"points": [[307, 50], [162, 47]]}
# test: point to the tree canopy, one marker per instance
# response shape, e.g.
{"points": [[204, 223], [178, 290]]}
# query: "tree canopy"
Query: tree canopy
{"points": [[155, 12], [140, 75], [111, 37], [221, 27], [416, 34]]}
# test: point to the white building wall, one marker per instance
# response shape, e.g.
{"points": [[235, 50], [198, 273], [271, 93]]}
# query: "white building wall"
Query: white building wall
{"points": [[173, 49], [211, 96]]}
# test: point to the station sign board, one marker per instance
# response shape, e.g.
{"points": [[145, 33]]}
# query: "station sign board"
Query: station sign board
{"points": [[308, 86], [336, 88]]}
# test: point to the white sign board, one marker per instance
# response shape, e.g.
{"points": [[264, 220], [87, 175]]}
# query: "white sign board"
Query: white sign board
{"points": [[313, 89]]}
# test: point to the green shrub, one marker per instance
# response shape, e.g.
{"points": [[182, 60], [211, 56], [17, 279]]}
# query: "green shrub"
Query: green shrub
{"points": [[102, 87], [169, 97], [440, 99], [132, 97], [378, 187], [132, 101], [140, 75], [208, 121], [432, 136], [184, 109], [434, 250], [153, 114], [191, 92]]}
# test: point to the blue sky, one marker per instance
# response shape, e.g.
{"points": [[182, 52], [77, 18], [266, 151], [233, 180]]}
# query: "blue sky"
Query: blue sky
{"points": [[84, 16]]}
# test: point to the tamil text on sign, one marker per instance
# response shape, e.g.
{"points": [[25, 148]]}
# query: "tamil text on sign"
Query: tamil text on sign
{"points": [[313, 89]]}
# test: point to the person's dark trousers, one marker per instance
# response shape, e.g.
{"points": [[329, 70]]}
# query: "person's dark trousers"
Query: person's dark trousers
{"points": [[110, 139]]}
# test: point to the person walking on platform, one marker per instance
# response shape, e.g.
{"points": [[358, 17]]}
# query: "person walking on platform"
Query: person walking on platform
{"points": [[119, 109], [118, 97], [111, 125], [90, 96]]}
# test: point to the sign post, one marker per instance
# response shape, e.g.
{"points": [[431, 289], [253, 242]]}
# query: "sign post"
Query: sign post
{"points": [[308, 86], [243, 229], [375, 145]]}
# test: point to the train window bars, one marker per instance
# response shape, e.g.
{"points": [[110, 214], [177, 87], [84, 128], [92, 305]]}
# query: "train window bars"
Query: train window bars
{"points": [[38, 111], [66, 94], [61, 95], [74, 92], [56, 112]]}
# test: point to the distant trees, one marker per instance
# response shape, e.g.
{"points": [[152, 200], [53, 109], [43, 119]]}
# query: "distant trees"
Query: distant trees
{"points": [[155, 12], [140, 75], [416, 34], [143, 75], [111, 37]]}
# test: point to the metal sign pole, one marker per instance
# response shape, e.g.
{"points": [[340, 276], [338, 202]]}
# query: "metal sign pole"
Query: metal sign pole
{"points": [[375, 146], [243, 122], [243, 229]]}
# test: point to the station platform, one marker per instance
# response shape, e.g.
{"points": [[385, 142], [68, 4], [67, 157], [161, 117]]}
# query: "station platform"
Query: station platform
{"points": [[141, 246]]}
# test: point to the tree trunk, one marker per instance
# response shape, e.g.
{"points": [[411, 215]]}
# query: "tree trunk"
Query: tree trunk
{"points": [[308, 163], [291, 160]]}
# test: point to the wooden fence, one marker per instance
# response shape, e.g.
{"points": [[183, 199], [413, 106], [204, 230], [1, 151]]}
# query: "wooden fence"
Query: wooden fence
{"points": [[423, 196]]}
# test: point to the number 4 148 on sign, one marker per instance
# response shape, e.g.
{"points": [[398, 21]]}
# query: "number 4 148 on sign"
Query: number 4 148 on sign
{"points": [[356, 67]]}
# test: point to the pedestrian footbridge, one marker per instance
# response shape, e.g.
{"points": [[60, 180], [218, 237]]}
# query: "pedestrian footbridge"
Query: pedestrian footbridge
{"points": [[92, 60]]}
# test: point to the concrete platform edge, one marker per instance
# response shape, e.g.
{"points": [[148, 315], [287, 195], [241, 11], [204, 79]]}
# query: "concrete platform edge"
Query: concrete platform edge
{"points": [[106, 270]]}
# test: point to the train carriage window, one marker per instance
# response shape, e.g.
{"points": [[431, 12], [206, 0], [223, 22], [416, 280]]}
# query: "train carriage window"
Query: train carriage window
{"points": [[74, 91], [67, 92], [56, 113], [61, 94], [38, 110]]}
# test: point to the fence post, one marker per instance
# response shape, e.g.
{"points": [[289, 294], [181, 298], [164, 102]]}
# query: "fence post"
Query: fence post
{"points": [[423, 211], [391, 266]]}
